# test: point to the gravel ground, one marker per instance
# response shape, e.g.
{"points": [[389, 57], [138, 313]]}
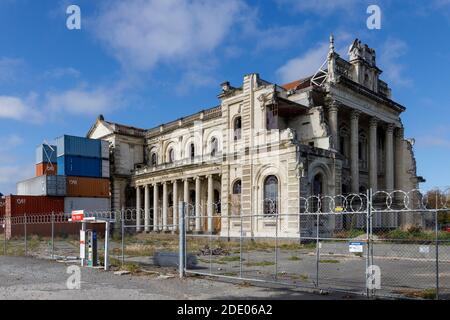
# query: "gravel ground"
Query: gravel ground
{"points": [[30, 278]]}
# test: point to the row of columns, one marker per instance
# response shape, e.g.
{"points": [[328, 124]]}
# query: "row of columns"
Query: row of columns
{"points": [[373, 149], [164, 226]]}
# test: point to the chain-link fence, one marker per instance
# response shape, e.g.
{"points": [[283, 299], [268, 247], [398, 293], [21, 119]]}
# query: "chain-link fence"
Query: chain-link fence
{"points": [[389, 244], [394, 244]]}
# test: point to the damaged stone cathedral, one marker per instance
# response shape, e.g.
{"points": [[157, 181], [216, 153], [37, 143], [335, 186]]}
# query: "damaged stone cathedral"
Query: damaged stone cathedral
{"points": [[262, 148]]}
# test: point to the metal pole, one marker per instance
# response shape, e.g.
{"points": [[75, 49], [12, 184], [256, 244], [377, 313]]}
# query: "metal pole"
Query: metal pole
{"points": [[182, 237], [25, 232], [437, 253], [276, 247], [4, 236], [83, 256], [122, 217], [240, 249], [371, 234], [53, 235], [317, 250], [369, 203], [107, 246]]}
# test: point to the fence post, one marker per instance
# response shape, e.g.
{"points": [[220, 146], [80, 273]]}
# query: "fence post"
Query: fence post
{"points": [[122, 225], [437, 251], [53, 235], [107, 245], [182, 237], [317, 250], [25, 233], [4, 237], [240, 248], [368, 213], [276, 247]]}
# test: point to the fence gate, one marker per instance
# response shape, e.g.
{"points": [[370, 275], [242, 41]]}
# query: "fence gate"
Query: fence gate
{"points": [[387, 244]]}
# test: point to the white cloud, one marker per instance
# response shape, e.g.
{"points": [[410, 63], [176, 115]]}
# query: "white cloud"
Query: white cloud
{"points": [[393, 69], [10, 174], [9, 68], [16, 108], [142, 33], [82, 101], [305, 65], [62, 73], [10, 141], [321, 7]]}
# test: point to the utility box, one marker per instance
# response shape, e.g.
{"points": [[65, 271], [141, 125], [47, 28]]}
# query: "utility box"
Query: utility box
{"points": [[88, 248]]}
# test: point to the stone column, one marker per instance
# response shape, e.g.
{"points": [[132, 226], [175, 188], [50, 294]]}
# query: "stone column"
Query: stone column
{"points": [[333, 121], [147, 208], [155, 207], [175, 205], [138, 209], [354, 156], [390, 157], [399, 137], [165, 206], [373, 154], [198, 212], [210, 203]]}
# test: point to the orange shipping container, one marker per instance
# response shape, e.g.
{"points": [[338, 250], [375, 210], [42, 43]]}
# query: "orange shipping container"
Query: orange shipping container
{"points": [[87, 187], [49, 169]]}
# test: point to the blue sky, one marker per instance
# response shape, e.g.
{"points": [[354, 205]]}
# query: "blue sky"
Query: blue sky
{"points": [[143, 63]]}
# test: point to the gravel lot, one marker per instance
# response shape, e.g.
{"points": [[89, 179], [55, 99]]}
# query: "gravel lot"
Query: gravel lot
{"points": [[31, 278]]}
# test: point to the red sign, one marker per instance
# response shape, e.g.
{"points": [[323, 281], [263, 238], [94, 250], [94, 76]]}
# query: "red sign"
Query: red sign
{"points": [[78, 215]]}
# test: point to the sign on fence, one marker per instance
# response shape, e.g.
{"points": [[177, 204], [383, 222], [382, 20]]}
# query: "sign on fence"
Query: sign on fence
{"points": [[356, 247], [77, 215]]}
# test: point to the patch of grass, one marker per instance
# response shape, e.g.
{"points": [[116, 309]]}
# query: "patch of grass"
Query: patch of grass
{"points": [[259, 264], [131, 267], [230, 274], [429, 294], [328, 261], [294, 258], [352, 233], [229, 259]]}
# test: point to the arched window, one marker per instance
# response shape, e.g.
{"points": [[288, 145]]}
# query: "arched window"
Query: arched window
{"points": [[154, 159], [237, 128], [192, 151], [237, 187], [236, 198], [171, 158], [271, 195], [214, 147]]}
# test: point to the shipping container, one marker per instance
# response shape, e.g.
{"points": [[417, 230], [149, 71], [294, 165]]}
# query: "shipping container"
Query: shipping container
{"points": [[49, 169], [43, 186], [46, 154], [105, 149], [21, 205], [80, 166], [105, 169], [87, 187], [89, 205], [78, 146], [2, 207]]}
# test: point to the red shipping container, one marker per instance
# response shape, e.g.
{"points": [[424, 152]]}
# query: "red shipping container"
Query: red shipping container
{"points": [[49, 169], [2, 207], [32, 205]]}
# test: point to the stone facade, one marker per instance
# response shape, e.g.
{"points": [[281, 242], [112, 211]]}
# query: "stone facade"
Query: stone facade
{"points": [[263, 148]]}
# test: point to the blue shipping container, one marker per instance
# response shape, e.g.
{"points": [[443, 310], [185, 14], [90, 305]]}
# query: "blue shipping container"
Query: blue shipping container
{"points": [[78, 146], [80, 166], [44, 153]]}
